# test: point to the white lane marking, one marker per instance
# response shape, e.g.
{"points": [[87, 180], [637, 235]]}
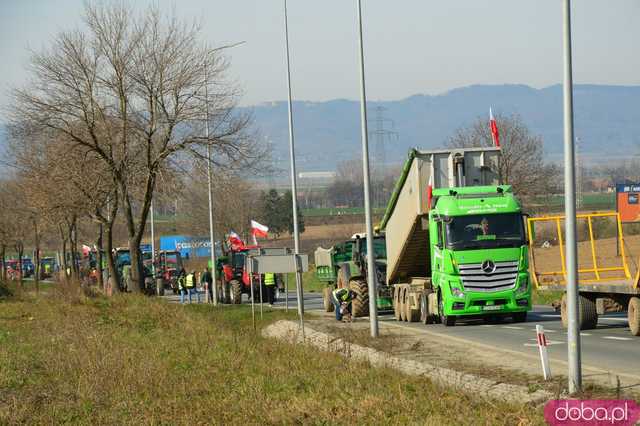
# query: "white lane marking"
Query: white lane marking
{"points": [[549, 316], [617, 338], [546, 330], [549, 342], [585, 334], [513, 327], [612, 319]]}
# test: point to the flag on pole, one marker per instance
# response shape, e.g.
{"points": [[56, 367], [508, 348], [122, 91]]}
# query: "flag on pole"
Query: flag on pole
{"points": [[258, 229], [85, 250], [495, 135], [235, 241]]}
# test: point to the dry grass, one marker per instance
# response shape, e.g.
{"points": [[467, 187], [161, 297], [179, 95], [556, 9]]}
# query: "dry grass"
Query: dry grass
{"points": [[136, 360]]}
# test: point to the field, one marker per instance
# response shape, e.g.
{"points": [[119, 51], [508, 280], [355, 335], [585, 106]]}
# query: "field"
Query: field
{"points": [[67, 358]]}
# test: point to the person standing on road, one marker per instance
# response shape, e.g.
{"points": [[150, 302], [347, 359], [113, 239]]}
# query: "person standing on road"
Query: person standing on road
{"points": [[191, 286], [340, 296], [207, 284], [270, 287], [182, 284]]}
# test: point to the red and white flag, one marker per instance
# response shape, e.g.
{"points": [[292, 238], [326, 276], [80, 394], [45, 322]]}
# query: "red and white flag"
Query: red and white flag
{"points": [[235, 241], [85, 250], [495, 135], [430, 192], [259, 230]]}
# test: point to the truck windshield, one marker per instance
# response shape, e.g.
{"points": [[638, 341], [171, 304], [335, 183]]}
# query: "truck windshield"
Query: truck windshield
{"points": [[485, 231]]}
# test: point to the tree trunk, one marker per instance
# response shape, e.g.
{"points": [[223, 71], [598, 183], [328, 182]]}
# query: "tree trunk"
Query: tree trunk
{"points": [[114, 279], [36, 257], [137, 275], [99, 258], [3, 253]]}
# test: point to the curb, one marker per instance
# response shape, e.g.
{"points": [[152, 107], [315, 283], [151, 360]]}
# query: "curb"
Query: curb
{"points": [[468, 383]]}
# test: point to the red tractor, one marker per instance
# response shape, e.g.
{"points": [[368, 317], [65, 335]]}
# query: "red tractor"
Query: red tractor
{"points": [[169, 267], [235, 279]]}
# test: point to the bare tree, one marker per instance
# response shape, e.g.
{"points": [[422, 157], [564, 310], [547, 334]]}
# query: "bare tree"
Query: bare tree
{"points": [[522, 164], [130, 90]]}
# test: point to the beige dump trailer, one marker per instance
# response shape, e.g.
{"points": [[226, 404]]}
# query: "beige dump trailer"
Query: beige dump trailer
{"points": [[405, 221]]}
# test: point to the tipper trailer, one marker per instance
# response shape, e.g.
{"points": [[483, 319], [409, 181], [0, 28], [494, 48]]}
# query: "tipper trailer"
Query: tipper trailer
{"points": [[456, 242]]}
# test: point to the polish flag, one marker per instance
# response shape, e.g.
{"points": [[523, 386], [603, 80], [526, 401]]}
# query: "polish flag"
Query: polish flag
{"points": [[236, 241], [86, 250], [259, 230], [430, 192], [495, 135]]}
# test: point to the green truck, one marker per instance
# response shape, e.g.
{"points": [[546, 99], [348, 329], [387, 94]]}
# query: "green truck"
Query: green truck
{"points": [[345, 265], [456, 246]]}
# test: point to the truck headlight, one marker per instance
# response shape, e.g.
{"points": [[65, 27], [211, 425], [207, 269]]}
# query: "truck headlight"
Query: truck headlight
{"points": [[523, 287], [456, 292]]}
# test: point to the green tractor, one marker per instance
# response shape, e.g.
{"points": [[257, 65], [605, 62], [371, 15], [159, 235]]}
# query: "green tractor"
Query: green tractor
{"points": [[345, 265]]}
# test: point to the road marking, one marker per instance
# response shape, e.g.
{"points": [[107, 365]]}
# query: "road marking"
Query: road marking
{"points": [[513, 327], [546, 330], [617, 338], [549, 342], [613, 319], [549, 316], [585, 334]]}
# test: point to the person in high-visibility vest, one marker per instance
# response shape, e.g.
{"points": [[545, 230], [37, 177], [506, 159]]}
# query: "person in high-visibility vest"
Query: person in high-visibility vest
{"points": [[191, 286], [182, 284], [270, 286], [340, 296]]}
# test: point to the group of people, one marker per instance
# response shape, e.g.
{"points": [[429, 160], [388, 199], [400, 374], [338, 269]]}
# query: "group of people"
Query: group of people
{"points": [[188, 284]]}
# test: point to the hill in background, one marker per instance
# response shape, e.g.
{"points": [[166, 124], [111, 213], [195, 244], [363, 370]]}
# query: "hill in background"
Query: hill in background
{"points": [[607, 122]]}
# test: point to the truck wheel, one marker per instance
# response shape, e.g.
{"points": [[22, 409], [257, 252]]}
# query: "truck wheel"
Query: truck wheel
{"points": [[326, 299], [426, 317], [587, 314], [359, 305], [411, 314], [236, 292], [446, 320], [519, 317], [396, 303], [633, 314]]}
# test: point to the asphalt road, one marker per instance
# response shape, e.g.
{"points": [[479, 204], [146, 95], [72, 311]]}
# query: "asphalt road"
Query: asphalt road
{"points": [[610, 346]]}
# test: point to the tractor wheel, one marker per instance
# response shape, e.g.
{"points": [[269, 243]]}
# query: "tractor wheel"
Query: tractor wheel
{"points": [[236, 292], [396, 303], [587, 314], [446, 320], [225, 296], [359, 305], [343, 277], [633, 314], [411, 314], [326, 299]]}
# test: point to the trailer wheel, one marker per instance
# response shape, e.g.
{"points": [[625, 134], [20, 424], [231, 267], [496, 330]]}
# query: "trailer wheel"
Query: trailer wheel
{"points": [[446, 320], [412, 314], [396, 303], [236, 292], [426, 317], [587, 313], [633, 314], [326, 299], [359, 305]]}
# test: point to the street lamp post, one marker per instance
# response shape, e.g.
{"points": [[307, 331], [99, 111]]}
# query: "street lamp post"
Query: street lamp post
{"points": [[573, 330], [214, 286], [371, 271], [294, 192]]}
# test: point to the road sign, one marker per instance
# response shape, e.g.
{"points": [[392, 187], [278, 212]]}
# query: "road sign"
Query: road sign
{"points": [[628, 202]]}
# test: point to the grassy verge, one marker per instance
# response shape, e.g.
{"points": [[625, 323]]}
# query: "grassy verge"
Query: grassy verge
{"points": [[136, 360]]}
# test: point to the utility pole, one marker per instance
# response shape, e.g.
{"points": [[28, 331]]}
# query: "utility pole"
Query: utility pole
{"points": [[214, 286], [371, 271], [573, 331], [294, 192]]}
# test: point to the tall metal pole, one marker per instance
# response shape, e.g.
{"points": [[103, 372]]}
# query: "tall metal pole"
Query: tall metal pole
{"points": [[294, 192], [371, 270], [214, 289], [573, 331]]}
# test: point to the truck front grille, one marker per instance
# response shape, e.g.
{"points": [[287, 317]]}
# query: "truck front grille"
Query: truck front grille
{"points": [[475, 279]]}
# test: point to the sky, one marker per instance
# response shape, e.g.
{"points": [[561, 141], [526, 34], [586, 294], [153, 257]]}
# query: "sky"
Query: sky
{"points": [[411, 46]]}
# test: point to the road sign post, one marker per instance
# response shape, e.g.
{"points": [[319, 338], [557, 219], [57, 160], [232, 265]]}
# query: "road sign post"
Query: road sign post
{"points": [[542, 348]]}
